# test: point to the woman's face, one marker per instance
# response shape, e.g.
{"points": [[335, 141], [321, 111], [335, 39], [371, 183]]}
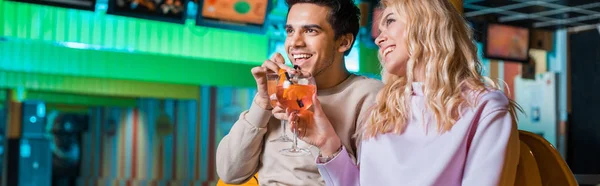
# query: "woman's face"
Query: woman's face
{"points": [[392, 42]]}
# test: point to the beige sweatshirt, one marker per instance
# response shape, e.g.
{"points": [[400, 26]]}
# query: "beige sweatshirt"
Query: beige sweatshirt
{"points": [[246, 149]]}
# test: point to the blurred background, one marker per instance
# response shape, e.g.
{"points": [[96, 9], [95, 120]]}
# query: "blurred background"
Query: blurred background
{"points": [[140, 92]]}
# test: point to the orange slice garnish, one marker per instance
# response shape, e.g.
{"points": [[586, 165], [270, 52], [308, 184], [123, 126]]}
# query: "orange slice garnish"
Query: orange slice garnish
{"points": [[297, 92], [281, 74]]}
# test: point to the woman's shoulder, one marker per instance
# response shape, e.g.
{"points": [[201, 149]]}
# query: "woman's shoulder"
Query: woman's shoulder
{"points": [[489, 100]]}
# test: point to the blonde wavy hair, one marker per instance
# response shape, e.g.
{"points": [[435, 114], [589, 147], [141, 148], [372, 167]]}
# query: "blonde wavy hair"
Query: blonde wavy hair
{"points": [[440, 43]]}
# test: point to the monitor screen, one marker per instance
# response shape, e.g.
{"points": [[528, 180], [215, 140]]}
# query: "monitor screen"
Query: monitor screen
{"points": [[247, 15], [76, 4], [248, 11], [160, 10], [504, 42]]}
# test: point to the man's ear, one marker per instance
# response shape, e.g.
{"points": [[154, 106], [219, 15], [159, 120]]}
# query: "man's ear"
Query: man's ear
{"points": [[345, 42]]}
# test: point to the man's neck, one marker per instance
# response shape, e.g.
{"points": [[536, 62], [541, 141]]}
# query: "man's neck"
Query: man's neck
{"points": [[332, 76]]}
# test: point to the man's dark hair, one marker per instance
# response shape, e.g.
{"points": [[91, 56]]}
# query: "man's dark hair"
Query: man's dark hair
{"points": [[343, 16]]}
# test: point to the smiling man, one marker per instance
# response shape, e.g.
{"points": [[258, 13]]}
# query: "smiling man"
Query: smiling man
{"points": [[319, 34]]}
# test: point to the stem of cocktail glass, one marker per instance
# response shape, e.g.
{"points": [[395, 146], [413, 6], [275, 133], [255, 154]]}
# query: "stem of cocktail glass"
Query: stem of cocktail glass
{"points": [[295, 144], [283, 136]]}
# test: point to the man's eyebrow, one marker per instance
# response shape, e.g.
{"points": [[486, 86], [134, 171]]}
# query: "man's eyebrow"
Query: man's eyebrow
{"points": [[312, 26]]}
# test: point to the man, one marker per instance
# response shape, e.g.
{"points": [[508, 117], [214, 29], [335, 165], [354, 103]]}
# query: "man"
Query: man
{"points": [[319, 34]]}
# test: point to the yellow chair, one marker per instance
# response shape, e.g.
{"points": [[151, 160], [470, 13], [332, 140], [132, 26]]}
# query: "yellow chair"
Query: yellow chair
{"points": [[528, 173], [252, 182], [552, 167]]}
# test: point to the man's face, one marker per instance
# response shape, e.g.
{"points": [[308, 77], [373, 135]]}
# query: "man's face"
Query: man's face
{"points": [[310, 41]]}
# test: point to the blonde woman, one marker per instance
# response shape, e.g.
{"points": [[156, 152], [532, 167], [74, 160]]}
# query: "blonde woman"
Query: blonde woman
{"points": [[435, 122]]}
